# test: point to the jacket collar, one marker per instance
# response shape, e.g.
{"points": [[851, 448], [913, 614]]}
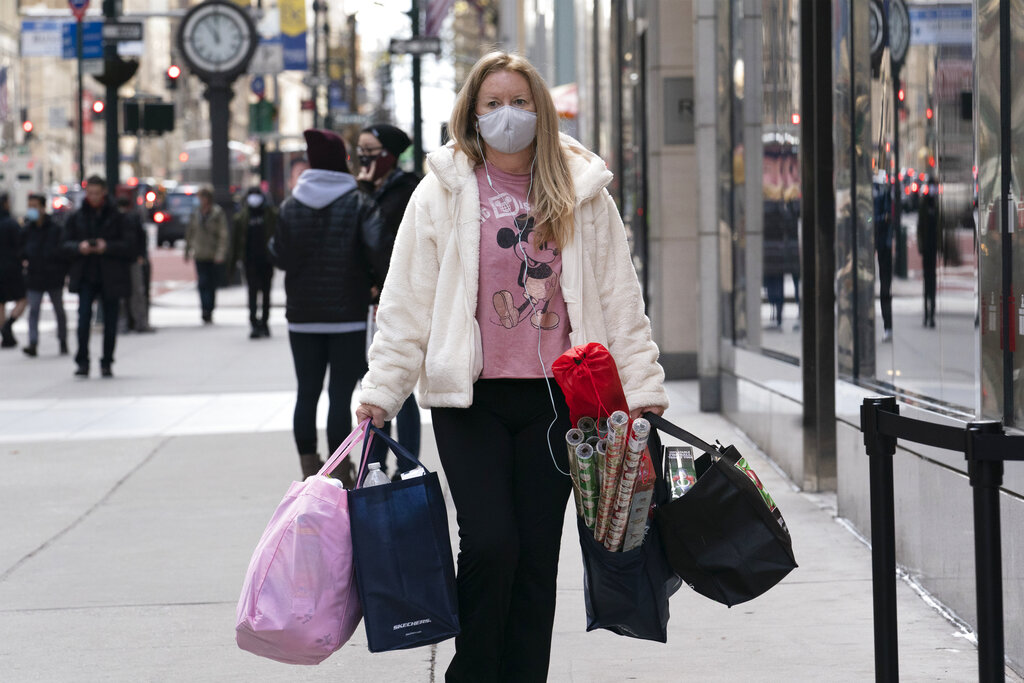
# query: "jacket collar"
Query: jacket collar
{"points": [[590, 175]]}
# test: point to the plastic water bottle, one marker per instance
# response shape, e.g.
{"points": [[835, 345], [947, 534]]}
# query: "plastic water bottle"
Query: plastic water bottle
{"points": [[374, 477]]}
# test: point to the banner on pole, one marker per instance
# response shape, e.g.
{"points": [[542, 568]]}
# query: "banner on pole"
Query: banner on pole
{"points": [[293, 34]]}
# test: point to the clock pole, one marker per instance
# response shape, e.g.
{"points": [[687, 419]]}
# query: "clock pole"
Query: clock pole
{"points": [[218, 95]]}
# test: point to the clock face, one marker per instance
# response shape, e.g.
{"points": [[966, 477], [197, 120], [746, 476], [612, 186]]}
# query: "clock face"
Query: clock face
{"points": [[899, 30], [217, 38]]}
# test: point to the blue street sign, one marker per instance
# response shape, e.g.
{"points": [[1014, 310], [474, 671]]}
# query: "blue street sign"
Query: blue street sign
{"points": [[258, 86], [92, 40]]}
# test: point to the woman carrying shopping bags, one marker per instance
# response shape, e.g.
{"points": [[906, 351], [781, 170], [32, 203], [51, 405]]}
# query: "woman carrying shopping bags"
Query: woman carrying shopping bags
{"points": [[510, 252]]}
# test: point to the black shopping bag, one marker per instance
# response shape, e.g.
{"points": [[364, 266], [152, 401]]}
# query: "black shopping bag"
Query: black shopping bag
{"points": [[403, 559], [724, 537], [627, 592]]}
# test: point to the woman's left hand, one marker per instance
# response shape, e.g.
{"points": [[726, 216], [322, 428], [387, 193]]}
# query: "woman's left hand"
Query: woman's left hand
{"points": [[657, 410]]}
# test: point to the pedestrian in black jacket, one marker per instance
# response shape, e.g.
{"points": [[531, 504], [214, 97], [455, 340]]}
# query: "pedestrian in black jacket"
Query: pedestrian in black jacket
{"points": [[101, 247], [332, 245], [12, 279], [380, 145], [46, 272], [139, 271]]}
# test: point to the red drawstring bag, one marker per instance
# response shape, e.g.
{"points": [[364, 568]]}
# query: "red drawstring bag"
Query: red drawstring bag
{"points": [[590, 381]]}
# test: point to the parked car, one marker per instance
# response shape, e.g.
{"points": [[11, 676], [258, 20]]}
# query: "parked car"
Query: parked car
{"points": [[172, 216]]}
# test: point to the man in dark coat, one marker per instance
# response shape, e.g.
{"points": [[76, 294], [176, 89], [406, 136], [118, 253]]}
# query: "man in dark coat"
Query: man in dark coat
{"points": [[101, 247], [138, 302], [12, 280], [255, 224], [47, 270], [380, 145], [333, 248]]}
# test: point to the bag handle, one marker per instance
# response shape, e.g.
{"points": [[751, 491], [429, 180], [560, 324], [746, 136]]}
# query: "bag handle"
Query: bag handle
{"points": [[658, 422], [398, 449], [360, 432]]}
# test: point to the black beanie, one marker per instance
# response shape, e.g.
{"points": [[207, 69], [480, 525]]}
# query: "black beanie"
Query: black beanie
{"points": [[393, 139]]}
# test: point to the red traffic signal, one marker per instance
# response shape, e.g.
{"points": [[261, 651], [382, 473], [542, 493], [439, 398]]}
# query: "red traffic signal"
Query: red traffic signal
{"points": [[27, 126], [173, 71], [98, 107]]}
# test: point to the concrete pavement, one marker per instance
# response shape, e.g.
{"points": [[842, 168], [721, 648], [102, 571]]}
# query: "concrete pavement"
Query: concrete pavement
{"points": [[131, 507]]}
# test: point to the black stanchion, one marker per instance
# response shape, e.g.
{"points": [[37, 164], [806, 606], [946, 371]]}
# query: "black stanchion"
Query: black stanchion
{"points": [[986, 474], [881, 448]]}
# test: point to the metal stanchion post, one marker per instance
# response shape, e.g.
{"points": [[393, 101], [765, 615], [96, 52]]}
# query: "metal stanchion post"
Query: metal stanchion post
{"points": [[986, 474], [881, 449]]}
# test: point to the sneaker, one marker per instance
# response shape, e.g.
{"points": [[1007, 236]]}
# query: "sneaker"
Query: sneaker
{"points": [[82, 371], [887, 336], [106, 371]]}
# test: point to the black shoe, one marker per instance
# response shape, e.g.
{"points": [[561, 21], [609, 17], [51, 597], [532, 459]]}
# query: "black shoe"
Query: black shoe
{"points": [[30, 351], [256, 332], [7, 340], [207, 317], [82, 371], [106, 371], [265, 329], [63, 348]]}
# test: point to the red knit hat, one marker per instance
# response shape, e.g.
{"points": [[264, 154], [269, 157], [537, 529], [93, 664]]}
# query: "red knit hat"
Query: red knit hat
{"points": [[326, 150]]}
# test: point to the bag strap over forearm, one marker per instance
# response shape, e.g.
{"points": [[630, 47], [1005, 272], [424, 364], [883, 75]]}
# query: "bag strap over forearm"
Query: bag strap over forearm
{"points": [[660, 423]]}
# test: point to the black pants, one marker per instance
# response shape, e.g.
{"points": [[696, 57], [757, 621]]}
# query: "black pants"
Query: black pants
{"points": [[510, 502], [885, 281], [208, 274], [929, 261], [88, 293], [312, 354], [259, 277]]}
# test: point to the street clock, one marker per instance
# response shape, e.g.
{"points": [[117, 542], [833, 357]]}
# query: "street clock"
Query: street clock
{"points": [[217, 39]]}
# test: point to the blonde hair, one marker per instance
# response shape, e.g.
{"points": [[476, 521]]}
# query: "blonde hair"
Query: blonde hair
{"points": [[553, 195]]}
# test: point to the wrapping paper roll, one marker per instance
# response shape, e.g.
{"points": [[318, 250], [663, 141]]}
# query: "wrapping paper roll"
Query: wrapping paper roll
{"points": [[588, 426], [618, 425], [599, 452], [640, 508], [635, 448], [588, 483], [574, 438]]}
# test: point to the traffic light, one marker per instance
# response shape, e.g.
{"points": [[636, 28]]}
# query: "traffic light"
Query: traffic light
{"points": [[173, 74], [26, 125], [98, 107]]}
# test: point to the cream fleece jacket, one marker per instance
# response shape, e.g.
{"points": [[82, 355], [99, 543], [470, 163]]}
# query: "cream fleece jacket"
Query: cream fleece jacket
{"points": [[426, 323]]}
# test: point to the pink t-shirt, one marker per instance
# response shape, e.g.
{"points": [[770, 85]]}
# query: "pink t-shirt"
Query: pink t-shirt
{"points": [[520, 298]]}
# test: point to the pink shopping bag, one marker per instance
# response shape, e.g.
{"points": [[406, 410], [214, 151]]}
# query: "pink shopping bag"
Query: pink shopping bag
{"points": [[299, 601]]}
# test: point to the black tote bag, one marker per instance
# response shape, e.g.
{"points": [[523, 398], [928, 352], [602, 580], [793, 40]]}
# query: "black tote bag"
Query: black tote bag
{"points": [[403, 560], [721, 537], [627, 592]]}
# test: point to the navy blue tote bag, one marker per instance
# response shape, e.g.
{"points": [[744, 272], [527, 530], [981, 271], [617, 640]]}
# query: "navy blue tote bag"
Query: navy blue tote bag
{"points": [[403, 559]]}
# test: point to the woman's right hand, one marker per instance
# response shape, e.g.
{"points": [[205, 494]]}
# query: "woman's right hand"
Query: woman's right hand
{"points": [[374, 413]]}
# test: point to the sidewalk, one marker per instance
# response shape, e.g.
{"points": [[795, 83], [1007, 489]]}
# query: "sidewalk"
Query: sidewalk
{"points": [[131, 508]]}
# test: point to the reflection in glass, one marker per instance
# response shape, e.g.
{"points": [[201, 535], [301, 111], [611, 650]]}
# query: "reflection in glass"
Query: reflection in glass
{"points": [[780, 181]]}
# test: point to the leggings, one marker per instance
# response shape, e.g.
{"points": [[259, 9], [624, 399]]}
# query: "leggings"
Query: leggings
{"points": [[510, 503], [312, 354]]}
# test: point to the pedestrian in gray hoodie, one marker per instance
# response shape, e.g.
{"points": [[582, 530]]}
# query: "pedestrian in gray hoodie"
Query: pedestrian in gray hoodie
{"points": [[331, 243]]}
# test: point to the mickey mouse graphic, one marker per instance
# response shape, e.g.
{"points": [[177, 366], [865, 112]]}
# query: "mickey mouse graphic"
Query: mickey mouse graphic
{"points": [[536, 277]]}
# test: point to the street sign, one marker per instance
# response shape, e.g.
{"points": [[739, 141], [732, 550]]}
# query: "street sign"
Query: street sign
{"points": [[115, 32], [315, 81], [352, 119], [78, 8], [42, 38], [92, 40], [416, 46], [268, 58], [258, 86]]}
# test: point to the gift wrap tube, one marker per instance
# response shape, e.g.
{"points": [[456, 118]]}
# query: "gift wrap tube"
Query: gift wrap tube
{"points": [[588, 483], [602, 427], [618, 424], [640, 508], [599, 452], [574, 438], [636, 445], [588, 426]]}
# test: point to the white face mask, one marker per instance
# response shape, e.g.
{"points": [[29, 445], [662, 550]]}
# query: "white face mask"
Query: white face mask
{"points": [[254, 200], [508, 129]]}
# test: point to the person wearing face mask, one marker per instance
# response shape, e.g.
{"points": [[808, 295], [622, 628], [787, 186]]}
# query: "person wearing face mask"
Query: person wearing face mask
{"points": [[510, 252], [380, 145], [255, 224], [45, 274]]}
